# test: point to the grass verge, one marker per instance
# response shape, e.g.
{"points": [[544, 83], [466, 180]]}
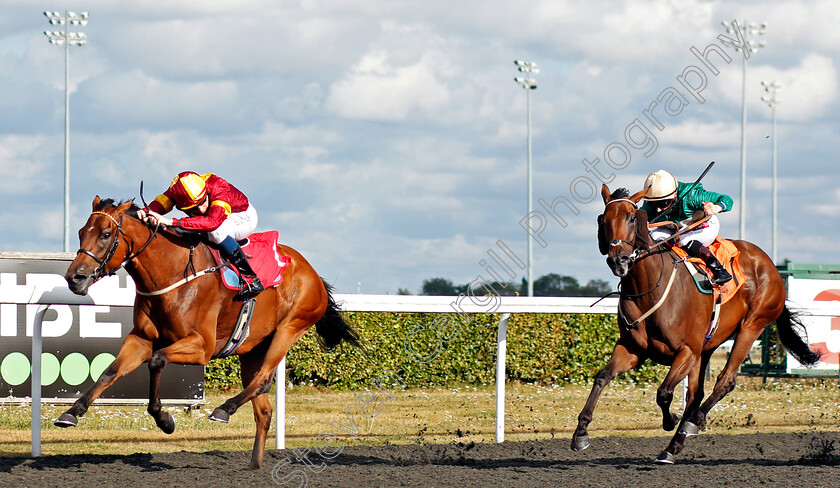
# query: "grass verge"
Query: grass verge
{"points": [[441, 415]]}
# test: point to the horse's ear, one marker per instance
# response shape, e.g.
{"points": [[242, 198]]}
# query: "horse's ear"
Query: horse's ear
{"points": [[638, 196], [602, 236], [642, 231], [96, 201], [605, 193], [125, 206]]}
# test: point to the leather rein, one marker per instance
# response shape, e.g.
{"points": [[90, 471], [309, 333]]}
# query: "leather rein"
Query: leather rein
{"points": [[101, 271], [637, 253]]}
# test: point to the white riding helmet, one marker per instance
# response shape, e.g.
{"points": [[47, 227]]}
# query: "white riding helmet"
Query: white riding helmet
{"points": [[660, 185]]}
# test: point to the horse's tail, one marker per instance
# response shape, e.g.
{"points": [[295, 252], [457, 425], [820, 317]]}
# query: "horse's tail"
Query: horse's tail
{"points": [[794, 337], [331, 328]]}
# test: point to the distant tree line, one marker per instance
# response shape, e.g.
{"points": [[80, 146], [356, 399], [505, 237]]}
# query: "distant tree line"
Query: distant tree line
{"points": [[550, 285]]}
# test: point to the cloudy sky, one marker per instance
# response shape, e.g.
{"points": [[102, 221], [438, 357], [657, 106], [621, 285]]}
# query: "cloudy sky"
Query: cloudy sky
{"points": [[386, 140]]}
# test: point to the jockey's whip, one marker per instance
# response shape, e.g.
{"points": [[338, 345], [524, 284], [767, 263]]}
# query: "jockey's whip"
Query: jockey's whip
{"points": [[144, 200], [680, 197]]}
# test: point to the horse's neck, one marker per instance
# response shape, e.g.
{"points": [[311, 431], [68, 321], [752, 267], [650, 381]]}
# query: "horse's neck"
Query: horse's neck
{"points": [[648, 272], [166, 259]]}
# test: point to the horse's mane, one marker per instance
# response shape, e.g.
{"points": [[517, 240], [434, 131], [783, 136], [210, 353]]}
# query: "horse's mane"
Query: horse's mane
{"points": [[620, 193], [106, 203]]}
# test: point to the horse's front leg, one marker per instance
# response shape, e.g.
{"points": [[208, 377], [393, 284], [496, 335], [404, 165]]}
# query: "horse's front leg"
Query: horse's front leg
{"points": [[621, 361], [693, 419], [189, 350], [134, 351], [685, 363]]}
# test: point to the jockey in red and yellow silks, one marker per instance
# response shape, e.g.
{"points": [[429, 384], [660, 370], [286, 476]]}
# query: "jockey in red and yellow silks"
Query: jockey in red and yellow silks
{"points": [[215, 207], [663, 190]]}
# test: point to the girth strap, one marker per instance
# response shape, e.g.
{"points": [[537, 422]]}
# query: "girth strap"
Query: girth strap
{"points": [[240, 330]]}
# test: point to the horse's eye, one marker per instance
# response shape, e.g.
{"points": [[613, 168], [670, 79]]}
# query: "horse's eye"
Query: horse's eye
{"points": [[632, 218], [105, 235]]}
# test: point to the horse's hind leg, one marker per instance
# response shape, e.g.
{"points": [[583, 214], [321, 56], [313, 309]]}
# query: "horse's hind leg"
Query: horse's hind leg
{"points": [[250, 365], [622, 360], [133, 352], [726, 379], [287, 333]]}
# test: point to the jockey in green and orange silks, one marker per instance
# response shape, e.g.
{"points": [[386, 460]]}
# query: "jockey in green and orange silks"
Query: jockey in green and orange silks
{"points": [[669, 199]]}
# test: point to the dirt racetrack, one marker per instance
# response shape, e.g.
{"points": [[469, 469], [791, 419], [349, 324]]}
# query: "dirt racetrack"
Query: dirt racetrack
{"points": [[785, 460]]}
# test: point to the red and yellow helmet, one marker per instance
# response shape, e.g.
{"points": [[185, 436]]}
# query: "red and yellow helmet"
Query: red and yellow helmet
{"points": [[188, 189]]}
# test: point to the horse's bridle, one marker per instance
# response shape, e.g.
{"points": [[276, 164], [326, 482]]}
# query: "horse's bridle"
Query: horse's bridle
{"points": [[101, 271], [636, 253], [636, 250]]}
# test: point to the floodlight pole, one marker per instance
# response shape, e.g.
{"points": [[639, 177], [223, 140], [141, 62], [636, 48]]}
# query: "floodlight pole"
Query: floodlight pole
{"points": [[748, 48], [529, 84], [67, 38], [772, 100]]}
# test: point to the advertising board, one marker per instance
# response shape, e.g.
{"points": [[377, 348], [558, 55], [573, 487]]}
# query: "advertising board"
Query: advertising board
{"points": [[818, 301], [81, 336]]}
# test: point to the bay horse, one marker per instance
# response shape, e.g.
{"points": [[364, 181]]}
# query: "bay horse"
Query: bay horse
{"points": [[189, 324], [674, 334]]}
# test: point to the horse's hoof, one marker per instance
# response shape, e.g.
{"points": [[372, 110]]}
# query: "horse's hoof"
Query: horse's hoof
{"points": [[166, 422], [664, 457], [689, 429], [66, 420], [219, 415], [580, 443]]}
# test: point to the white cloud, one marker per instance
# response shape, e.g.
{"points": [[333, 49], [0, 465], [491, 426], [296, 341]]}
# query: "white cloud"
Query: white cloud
{"points": [[387, 139], [23, 166], [376, 90], [808, 91]]}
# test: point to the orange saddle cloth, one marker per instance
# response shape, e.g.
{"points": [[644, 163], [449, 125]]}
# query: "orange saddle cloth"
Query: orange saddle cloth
{"points": [[727, 254]]}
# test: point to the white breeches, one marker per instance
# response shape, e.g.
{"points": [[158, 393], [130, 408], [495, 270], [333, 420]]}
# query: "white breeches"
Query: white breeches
{"points": [[238, 225], [705, 234]]}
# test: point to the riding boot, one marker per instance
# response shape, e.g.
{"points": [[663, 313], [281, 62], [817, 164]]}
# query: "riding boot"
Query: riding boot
{"points": [[697, 250], [251, 286]]}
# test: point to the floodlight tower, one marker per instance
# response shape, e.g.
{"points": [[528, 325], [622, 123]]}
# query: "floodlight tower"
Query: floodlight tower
{"points": [[749, 47], [528, 83], [772, 99], [67, 39]]}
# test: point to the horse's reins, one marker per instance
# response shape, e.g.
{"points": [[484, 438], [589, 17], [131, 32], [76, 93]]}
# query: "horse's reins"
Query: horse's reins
{"points": [[101, 270], [634, 256], [186, 279]]}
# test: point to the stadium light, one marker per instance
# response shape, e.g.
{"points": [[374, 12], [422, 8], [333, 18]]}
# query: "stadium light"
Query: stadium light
{"points": [[772, 99], [749, 47], [528, 83], [67, 39]]}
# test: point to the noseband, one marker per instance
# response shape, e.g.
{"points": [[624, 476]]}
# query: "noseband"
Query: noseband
{"points": [[101, 271], [637, 251]]}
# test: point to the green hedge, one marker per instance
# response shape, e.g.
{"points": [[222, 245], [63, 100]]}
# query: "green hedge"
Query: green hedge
{"points": [[543, 348]]}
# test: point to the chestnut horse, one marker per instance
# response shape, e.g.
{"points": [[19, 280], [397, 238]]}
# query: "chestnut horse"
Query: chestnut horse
{"points": [[674, 334], [190, 324]]}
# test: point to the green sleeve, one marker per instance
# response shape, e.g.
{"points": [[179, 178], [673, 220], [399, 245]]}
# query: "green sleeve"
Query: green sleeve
{"points": [[694, 200]]}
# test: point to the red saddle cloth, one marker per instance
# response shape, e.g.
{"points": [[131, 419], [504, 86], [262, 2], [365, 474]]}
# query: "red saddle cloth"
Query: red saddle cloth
{"points": [[727, 254], [263, 257]]}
